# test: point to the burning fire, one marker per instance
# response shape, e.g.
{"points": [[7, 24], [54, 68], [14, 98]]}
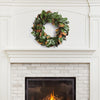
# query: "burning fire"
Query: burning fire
{"points": [[52, 97]]}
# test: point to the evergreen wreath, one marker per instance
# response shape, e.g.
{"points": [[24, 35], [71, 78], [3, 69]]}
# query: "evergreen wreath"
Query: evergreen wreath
{"points": [[57, 20]]}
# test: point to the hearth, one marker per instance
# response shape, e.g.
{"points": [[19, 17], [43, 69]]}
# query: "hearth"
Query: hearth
{"points": [[50, 88]]}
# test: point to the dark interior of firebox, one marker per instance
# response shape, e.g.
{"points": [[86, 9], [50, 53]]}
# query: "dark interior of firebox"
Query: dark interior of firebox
{"points": [[52, 88]]}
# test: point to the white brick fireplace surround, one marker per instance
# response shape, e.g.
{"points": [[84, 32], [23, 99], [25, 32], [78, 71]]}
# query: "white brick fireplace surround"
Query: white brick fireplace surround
{"points": [[53, 63], [21, 56], [20, 71]]}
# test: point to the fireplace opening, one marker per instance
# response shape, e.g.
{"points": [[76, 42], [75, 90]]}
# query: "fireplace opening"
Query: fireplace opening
{"points": [[50, 88]]}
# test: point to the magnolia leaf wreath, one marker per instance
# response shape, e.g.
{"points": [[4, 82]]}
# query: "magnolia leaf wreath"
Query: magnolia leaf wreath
{"points": [[57, 20]]}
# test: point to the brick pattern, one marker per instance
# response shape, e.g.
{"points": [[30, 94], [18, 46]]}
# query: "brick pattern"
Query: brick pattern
{"points": [[20, 71]]}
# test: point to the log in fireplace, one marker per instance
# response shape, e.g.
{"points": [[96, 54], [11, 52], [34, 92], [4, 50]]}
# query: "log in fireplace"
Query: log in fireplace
{"points": [[50, 88]]}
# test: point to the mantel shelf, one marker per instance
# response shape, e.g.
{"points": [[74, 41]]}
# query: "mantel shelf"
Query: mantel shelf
{"points": [[30, 55], [49, 52]]}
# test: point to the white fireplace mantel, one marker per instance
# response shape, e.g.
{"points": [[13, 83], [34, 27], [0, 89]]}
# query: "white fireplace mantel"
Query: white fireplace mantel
{"points": [[58, 56], [47, 55]]}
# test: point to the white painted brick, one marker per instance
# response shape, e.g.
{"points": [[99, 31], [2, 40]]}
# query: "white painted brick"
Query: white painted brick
{"points": [[69, 67], [24, 67], [62, 65], [74, 65], [20, 71], [83, 78], [35, 65], [59, 67], [83, 71], [55, 71], [39, 68], [83, 75], [64, 71], [49, 67], [73, 71], [85, 82], [84, 65]]}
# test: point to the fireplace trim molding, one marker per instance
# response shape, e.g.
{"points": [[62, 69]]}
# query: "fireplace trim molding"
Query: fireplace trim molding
{"points": [[49, 55], [57, 56]]}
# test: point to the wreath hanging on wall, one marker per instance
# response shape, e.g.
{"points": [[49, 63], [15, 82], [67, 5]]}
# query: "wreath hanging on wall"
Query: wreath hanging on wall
{"points": [[57, 20]]}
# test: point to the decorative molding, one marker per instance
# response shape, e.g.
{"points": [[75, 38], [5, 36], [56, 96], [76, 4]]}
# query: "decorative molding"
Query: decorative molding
{"points": [[45, 2], [43, 55], [94, 2], [42, 5], [50, 2], [3, 58]]}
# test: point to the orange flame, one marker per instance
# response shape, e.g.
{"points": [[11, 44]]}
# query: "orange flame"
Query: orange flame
{"points": [[52, 96]]}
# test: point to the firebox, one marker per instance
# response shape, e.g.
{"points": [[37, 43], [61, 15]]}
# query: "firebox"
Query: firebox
{"points": [[50, 88]]}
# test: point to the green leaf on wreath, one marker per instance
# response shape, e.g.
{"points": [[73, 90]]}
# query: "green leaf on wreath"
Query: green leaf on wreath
{"points": [[60, 39], [37, 34], [43, 27], [33, 33], [66, 28], [62, 30]]}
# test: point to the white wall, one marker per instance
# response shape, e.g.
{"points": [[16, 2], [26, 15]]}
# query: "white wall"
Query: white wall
{"points": [[17, 16], [24, 18]]}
